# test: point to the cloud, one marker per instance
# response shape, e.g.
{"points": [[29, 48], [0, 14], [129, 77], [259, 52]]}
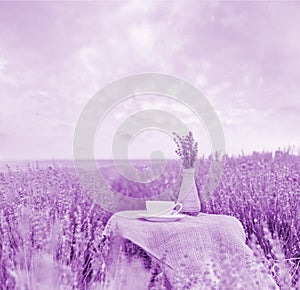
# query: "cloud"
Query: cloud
{"points": [[55, 56], [5, 78]]}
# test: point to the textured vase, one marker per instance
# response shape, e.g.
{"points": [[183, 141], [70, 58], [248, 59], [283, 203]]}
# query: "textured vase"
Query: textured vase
{"points": [[188, 194]]}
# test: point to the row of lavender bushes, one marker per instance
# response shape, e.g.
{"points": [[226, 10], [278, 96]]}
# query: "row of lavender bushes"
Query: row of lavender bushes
{"points": [[51, 231]]}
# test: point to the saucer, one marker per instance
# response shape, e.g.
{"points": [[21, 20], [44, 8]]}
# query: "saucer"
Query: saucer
{"points": [[161, 218]]}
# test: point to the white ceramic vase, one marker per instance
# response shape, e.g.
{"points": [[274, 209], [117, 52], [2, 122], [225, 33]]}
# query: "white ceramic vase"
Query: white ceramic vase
{"points": [[188, 194]]}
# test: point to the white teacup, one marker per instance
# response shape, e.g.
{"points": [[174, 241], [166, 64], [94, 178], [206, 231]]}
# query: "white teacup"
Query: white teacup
{"points": [[162, 208]]}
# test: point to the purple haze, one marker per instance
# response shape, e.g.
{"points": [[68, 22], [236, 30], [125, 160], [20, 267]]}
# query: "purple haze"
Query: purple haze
{"points": [[54, 56]]}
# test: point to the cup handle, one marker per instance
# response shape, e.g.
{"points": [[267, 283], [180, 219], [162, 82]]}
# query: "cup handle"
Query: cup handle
{"points": [[178, 210]]}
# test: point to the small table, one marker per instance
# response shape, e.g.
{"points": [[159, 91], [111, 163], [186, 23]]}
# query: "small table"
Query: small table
{"points": [[202, 249]]}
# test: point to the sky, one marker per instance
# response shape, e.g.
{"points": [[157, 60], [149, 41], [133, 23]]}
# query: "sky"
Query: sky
{"points": [[55, 56]]}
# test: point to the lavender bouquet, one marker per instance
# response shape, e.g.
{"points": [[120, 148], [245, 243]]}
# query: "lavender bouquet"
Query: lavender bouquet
{"points": [[187, 149]]}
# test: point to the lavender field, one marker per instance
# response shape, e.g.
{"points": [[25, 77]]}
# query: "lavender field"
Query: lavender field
{"points": [[51, 230]]}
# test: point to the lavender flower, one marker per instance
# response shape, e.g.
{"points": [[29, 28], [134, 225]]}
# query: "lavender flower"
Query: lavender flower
{"points": [[187, 149], [48, 224]]}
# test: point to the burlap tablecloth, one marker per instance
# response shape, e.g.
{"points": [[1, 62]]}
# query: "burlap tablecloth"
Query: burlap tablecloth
{"points": [[209, 247]]}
